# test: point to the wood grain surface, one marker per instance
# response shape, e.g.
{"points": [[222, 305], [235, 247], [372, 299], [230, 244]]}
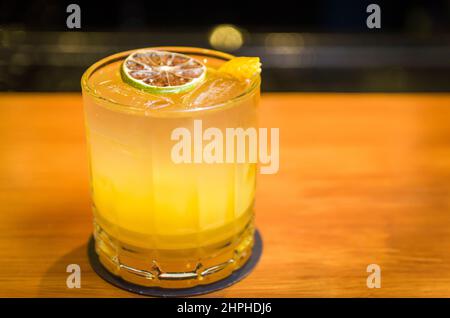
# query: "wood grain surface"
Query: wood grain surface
{"points": [[364, 178]]}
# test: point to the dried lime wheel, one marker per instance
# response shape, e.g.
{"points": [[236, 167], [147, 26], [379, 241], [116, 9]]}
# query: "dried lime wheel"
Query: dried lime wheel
{"points": [[162, 72]]}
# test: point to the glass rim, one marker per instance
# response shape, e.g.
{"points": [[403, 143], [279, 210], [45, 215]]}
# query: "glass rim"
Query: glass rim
{"points": [[86, 88]]}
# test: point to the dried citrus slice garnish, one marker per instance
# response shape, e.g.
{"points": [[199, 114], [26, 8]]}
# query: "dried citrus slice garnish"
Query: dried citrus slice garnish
{"points": [[162, 72], [242, 67]]}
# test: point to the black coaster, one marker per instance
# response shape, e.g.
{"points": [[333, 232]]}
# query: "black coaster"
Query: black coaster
{"points": [[174, 292]]}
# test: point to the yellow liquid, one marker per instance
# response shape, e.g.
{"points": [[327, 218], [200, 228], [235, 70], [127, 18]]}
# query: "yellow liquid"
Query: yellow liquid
{"points": [[159, 223]]}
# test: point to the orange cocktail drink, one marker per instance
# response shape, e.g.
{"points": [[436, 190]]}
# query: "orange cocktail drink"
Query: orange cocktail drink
{"points": [[159, 222]]}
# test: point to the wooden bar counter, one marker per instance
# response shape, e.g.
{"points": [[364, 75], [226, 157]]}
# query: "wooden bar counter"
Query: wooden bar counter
{"points": [[364, 179]]}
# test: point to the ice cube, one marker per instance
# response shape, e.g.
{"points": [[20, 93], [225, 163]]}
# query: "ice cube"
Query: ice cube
{"points": [[214, 90], [158, 102], [125, 94]]}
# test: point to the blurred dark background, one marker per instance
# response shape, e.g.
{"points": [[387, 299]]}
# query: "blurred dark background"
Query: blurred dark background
{"points": [[322, 45]]}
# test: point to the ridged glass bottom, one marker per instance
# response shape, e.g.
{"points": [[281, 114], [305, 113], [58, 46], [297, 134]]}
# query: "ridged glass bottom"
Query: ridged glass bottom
{"points": [[174, 268]]}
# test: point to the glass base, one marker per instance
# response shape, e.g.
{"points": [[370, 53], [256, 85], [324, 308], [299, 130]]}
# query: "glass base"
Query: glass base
{"points": [[174, 268]]}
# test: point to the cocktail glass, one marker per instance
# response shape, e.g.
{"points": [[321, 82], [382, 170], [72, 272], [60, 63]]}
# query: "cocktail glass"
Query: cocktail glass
{"points": [[157, 222]]}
